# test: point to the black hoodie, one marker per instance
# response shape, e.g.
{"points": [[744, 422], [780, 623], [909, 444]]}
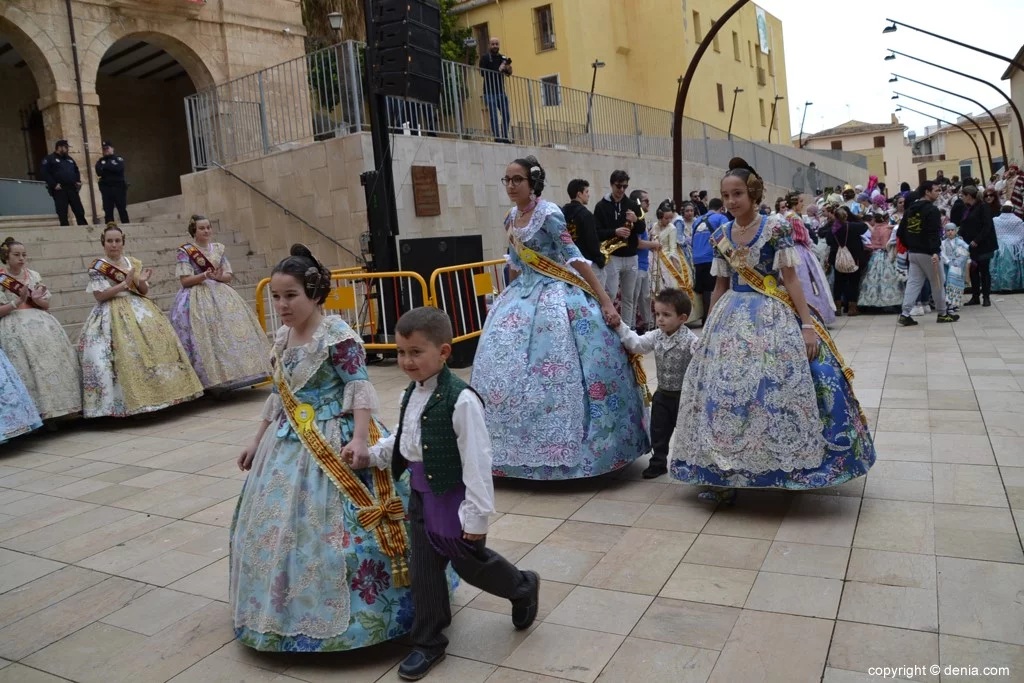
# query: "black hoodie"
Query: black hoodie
{"points": [[920, 230], [611, 215], [580, 224]]}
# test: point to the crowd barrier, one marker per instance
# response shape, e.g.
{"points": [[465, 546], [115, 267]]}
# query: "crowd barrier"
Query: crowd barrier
{"points": [[372, 302]]}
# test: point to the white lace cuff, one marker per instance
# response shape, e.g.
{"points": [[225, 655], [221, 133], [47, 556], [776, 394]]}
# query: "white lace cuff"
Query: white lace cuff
{"points": [[786, 258], [272, 408], [511, 264], [580, 259], [359, 394], [473, 521], [720, 268]]}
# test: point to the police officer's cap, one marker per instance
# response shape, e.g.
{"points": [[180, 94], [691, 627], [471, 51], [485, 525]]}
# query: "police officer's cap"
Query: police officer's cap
{"points": [[61, 143], [107, 143]]}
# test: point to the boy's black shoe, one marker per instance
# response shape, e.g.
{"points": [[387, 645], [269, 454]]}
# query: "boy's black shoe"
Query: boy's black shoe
{"points": [[988, 302], [947, 318], [973, 301], [906, 321], [654, 471], [418, 664], [524, 610]]}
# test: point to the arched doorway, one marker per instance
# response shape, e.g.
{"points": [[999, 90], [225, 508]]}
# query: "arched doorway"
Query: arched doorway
{"points": [[141, 85], [22, 136]]}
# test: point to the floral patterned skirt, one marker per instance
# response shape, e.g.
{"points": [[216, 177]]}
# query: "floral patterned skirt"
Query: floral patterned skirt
{"points": [[560, 398], [1007, 268], [221, 335], [882, 285], [754, 413], [18, 415], [304, 575], [37, 346]]}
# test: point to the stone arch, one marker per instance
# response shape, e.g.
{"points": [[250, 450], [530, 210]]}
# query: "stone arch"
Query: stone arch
{"points": [[169, 38], [36, 47]]}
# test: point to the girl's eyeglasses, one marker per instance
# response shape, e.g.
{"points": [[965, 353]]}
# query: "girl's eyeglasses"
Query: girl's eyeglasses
{"points": [[514, 181]]}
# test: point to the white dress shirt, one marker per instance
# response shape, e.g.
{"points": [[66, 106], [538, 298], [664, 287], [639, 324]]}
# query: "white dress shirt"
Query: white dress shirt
{"points": [[474, 451]]}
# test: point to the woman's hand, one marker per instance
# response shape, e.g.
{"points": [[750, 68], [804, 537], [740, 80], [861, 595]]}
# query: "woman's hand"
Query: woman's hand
{"points": [[611, 316], [245, 459], [146, 274], [39, 294], [356, 453], [811, 343], [23, 297]]}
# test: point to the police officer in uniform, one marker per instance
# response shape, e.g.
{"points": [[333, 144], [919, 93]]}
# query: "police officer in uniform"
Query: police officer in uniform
{"points": [[63, 180], [110, 170]]}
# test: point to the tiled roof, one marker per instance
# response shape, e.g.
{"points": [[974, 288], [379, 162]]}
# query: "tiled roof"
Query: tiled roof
{"points": [[854, 128]]}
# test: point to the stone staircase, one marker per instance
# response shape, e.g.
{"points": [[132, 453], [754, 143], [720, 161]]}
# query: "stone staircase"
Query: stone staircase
{"points": [[62, 255], [159, 210]]}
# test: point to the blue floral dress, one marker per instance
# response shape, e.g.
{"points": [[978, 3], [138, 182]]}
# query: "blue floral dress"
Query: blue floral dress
{"points": [[305, 576], [754, 413], [560, 398], [18, 415]]}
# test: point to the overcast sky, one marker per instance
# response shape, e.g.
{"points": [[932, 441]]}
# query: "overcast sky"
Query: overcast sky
{"points": [[835, 51]]}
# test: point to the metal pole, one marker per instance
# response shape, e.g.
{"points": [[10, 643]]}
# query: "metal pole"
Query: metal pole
{"points": [[263, 114], [988, 150], [950, 123], [684, 90], [995, 122], [81, 112], [636, 126], [533, 116], [590, 103], [775, 106], [1008, 60], [735, 94], [802, 119], [1016, 111]]}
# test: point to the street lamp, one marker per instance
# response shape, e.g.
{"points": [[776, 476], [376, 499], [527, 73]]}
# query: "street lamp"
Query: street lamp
{"points": [[995, 122], [597, 64], [1013, 106], [337, 20], [771, 125], [949, 123], [889, 57], [735, 92], [802, 119], [988, 149], [892, 29]]}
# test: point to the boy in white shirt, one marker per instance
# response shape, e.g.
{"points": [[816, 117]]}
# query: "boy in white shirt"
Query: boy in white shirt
{"points": [[673, 345], [442, 440]]}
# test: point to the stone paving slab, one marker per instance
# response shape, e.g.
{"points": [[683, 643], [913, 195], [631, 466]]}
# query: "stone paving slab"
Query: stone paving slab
{"points": [[113, 544]]}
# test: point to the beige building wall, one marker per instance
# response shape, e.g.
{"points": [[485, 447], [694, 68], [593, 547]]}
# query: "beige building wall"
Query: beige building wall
{"points": [[897, 158], [320, 182], [1014, 141]]}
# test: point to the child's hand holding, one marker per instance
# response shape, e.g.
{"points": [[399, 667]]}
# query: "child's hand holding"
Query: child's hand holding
{"points": [[356, 454]]}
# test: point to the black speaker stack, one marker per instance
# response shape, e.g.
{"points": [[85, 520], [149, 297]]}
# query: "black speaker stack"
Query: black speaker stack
{"points": [[406, 49]]}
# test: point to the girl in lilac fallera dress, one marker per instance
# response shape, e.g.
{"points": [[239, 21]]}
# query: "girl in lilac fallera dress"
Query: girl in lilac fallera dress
{"points": [[561, 398], [220, 333], [767, 400], [812, 275]]}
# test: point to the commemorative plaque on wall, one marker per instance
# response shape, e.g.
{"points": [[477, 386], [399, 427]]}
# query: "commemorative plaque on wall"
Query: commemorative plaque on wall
{"points": [[424, 191]]}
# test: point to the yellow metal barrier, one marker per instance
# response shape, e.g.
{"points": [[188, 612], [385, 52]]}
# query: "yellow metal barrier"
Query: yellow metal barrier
{"points": [[359, 298], [462, 291]]}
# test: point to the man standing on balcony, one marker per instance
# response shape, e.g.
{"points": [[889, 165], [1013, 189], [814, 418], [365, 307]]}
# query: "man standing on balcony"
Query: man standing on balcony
{"points": [[63, 180], [496, 68], [110, 170]]}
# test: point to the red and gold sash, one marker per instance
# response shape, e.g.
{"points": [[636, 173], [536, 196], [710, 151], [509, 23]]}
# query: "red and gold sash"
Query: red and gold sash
{"points": [[769, 286], [383, 515], [114, 274], [545, 266], [196, 255], [15, 287]]}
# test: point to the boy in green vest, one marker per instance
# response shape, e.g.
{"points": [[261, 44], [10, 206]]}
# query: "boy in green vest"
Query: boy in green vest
{"points": [[442, 440]]}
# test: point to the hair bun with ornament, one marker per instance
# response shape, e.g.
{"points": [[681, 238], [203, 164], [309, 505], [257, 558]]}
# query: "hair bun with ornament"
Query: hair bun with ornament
{"points": [[739, 168]]}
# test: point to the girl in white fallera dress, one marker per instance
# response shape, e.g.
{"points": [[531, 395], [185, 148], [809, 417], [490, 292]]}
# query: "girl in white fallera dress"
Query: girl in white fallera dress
{"points": [[132, 361], [34, 340]]}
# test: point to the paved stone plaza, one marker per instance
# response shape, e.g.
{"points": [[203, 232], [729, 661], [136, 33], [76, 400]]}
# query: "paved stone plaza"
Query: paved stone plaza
{"points": [[113, 547]]}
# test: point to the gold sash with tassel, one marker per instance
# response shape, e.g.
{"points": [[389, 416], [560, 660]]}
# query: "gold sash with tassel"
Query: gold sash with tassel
{"points": [[384, 515]]}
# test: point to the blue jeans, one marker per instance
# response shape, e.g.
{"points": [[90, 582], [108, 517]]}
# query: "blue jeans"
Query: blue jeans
{"points": [[498, 102]]}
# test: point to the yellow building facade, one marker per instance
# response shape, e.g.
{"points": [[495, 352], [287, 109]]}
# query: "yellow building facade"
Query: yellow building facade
{"points": [[645, 46], [950, 150]]}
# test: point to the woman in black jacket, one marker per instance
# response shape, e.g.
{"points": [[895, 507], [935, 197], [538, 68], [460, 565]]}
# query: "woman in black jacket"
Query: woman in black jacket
{"points": [[844, 232], [979, 232]]}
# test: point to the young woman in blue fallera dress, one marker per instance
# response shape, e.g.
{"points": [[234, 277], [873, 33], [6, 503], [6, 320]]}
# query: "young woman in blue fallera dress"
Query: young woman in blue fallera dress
{"points": [[767, 400], [562, 400]]}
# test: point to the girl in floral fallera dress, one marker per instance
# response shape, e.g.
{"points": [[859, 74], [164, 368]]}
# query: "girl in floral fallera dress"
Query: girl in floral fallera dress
{"points": [[18, 415], [305, 575], [561, 399], [34, 340], [219, 331], [132, 361], [766, 402]]}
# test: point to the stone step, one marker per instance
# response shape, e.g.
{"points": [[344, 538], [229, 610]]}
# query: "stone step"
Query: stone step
{"points": [[248, 269], [76, 247], [37, 233], [155, 207], [163, 262]]}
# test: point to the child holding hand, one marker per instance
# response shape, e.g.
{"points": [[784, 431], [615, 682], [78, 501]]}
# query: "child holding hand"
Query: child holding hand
{"points": [[442, 440], [673, 345]]}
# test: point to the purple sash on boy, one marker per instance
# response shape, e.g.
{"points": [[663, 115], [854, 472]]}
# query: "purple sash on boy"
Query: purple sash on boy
{"points": [[440, 514]]}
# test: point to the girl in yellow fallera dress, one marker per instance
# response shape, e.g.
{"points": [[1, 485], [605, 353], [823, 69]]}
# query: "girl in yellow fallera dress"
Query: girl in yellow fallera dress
{"points": [[132, 361], [34, 340]]}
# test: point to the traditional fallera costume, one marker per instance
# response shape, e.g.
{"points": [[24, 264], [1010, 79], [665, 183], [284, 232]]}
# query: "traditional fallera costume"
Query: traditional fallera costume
{"points": [[673, 265], [132, 361], [18, 415], [38, 348], [882, 285], [561, 396], [754, 413], [812, 275], [955, 254], [319, 551], [224, 341], [1007, 265]]}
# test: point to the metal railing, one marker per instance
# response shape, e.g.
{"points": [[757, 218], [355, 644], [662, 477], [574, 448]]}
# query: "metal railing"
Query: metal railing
{"points": [[322, 95]]}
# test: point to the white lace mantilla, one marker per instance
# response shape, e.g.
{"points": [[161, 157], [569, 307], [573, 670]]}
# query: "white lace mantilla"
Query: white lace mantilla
{"points": [[540, 214]]}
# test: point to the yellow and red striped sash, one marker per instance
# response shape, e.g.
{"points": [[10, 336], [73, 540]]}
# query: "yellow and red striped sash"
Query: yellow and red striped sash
{"points": [[15, 287], [114, 274], [196, 255]]}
